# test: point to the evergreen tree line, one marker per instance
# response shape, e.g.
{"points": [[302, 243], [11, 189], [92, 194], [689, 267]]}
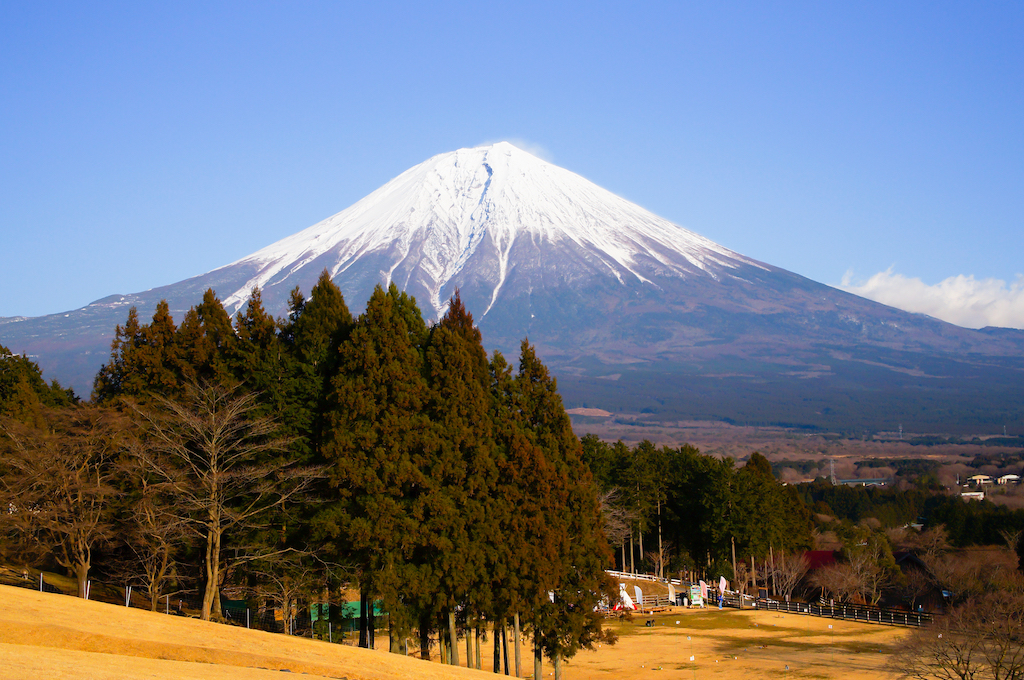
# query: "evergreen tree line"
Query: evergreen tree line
{"points": [[23, 392], [965, 524], [285, 456], [677, 509]]}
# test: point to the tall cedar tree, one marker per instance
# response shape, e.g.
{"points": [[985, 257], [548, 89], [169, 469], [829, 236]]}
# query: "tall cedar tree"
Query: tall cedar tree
{"points": [[255, 356], [121, 376], [158, 358], [311, 337], [378, 431], [556, 526], [461, 469]]}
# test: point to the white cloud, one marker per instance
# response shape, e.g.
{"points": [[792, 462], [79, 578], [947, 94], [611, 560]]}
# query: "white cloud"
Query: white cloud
{"points": [[962, 300], [529, 147]]}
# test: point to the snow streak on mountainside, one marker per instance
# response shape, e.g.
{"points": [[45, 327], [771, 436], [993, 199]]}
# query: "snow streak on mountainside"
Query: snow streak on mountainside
{"points": [[425, 227]]}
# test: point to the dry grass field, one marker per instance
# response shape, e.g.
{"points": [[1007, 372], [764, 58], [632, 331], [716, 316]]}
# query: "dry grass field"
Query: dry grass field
{"points": [[738, 645], [56, 636]]}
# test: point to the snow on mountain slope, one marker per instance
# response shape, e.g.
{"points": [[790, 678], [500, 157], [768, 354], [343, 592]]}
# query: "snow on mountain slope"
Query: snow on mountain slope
{"points": [[432, 219]]}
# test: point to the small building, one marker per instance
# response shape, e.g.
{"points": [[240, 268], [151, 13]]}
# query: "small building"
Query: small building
{"points": [[973, 495], [979, 480], [880, 481], [1009, 479], [816, 559]]}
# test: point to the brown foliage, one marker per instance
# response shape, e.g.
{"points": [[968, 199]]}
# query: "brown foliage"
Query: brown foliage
{"points": [[982, 638], [58, 481], [218, 459]]}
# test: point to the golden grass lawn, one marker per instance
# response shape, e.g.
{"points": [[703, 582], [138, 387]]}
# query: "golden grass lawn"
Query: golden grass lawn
{"points": [[56, 636]]}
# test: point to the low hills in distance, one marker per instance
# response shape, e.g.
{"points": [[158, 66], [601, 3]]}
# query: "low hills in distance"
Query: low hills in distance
{"points": [[632, 313]]}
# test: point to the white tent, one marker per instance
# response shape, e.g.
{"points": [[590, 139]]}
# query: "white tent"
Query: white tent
{"points": [[625, 601]]}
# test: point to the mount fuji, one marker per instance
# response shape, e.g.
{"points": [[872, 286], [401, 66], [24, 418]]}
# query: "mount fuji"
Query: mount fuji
{"points": [[631, 311]]}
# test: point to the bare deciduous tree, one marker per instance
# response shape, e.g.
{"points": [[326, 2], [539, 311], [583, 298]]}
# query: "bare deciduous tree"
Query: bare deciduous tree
{"points": [[837, 581], [982, 638], [58, 482], [219, 458], [658, 558], [286, 578], [789, 570], [153, 533], [916, 584], [872, 569]]}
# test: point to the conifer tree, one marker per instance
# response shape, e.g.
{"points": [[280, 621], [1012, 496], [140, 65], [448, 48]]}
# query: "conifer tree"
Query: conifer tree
{"points": [[378, 430], [461, 467], [311, 337], [24, 394], [215, 342], [119, 375], [144, 358], [553, 565], [255, 356], [567, 621]]}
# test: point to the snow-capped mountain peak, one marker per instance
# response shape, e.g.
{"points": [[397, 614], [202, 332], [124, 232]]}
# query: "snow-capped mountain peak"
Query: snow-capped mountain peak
{"points": [[423, 228]]}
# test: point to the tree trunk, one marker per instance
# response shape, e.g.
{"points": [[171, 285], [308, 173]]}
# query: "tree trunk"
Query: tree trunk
{"points": [[732, 539], [515, 630], [469, 644], [632, 563], [504, 645], [394, 639], [453, 639], [753, 576], [364, 636], [212, 564], [479, 661], [424, 638], [538, 658], [442, 644], [82, 577], [640, 536], [558, 666], [661, 549], [497, 647], [371, 621]]}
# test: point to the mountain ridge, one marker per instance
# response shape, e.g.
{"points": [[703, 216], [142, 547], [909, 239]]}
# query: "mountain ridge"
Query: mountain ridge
{"points": [[600, 286]]}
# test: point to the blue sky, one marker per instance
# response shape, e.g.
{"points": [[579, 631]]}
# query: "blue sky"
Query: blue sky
{"points": [[878, 145]]}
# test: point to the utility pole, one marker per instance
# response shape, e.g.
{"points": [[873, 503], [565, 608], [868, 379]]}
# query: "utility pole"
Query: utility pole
{"points": [[733, 539]]}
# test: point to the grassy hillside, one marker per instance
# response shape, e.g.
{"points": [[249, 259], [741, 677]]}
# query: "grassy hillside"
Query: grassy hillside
{"points": [[56, 636]]}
